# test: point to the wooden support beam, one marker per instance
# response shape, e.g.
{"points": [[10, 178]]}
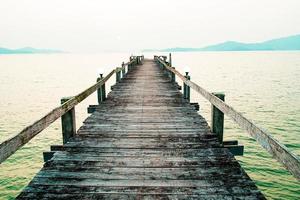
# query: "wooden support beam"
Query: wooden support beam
{"points": [[196, 106], [172, 74], [230, 142], [91, 108], [57, 148], [118, 75], [237, 150], [217, 118], [123, 70], [47, 155], [165, 58], [68, 122], [101, 94], [130, 63], [173, 79], [186, 88]]}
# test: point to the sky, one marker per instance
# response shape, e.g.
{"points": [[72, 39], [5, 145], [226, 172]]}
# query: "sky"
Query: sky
{"points": [[133, 25]]}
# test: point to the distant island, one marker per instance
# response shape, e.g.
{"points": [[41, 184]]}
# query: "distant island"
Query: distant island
{"points": [[290, 43], [28, 50]]}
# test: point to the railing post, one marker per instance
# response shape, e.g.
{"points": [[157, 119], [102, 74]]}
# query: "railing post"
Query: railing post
{"points": [[118, 75], [101, 91], [68, 122], [130, 65], [173, 80], [186, 88], [165, 70], [165, 58], [170, 64], [123, 70], [217, 119]]}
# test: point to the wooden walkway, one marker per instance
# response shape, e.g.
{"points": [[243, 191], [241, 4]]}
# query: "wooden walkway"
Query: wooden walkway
{"points": [[144, 142]]}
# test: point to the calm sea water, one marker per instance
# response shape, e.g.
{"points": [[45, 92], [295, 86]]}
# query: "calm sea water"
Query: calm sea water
{"points": [[264, 86]]}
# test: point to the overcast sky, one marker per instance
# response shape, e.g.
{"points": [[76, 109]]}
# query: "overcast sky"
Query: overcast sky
{"points": [[130, 25]]}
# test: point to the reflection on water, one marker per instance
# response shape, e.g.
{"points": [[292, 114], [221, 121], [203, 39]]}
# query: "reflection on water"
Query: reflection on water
{"points": [[264, 86]]}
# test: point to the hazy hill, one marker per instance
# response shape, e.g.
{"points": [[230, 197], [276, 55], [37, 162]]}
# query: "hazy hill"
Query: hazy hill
{"points": [[280, 44], [27, 50]]}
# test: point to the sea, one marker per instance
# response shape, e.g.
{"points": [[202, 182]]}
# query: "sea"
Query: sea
{"points": [[264, 86]]}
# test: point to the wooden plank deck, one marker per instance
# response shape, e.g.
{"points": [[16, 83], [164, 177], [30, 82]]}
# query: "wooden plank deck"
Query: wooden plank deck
{"points": [[144, 142]]}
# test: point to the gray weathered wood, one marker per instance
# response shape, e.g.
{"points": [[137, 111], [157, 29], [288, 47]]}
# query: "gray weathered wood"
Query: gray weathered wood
{"points": [[101, 90], [217, 118], [186, 88], [123, 69], [68, 122], [118, 75]]}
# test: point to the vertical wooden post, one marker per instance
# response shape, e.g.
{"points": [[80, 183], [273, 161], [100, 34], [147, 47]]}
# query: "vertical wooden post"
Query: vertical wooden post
{"points": [[129, 66], [68, 122], [186, 88], [101, 91], [165, 58], [118, 74], [123, 69], [173, 76], [217, 118], [170, 64]]}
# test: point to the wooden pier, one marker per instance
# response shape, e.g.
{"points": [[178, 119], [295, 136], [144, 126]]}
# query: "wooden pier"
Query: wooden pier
{"points": [[144, 140]]}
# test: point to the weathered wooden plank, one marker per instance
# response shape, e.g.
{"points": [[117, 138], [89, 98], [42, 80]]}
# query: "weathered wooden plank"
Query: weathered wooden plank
{"points": [[150, 174], [138, 195], [124, 134], [135, 183], [140, 190], [115, 152], [110, 152]]}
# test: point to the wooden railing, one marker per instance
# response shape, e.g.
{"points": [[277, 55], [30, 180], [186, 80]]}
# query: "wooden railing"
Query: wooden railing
{"points": [[279, 151], [11, 145]]}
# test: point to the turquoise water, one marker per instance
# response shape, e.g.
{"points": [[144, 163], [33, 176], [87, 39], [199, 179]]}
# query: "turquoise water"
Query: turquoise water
{"points": [[264, 86]]}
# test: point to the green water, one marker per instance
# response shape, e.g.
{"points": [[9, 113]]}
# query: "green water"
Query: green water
{"points": [[264, 86]]}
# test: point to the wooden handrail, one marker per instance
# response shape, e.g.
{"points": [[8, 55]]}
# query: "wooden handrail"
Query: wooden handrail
{"points": [[11, 145], [279, 151]]}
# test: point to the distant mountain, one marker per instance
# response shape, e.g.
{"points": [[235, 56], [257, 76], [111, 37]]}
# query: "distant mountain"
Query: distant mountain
{"points": [[280, 44], [27, 50], [176, 49]]}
